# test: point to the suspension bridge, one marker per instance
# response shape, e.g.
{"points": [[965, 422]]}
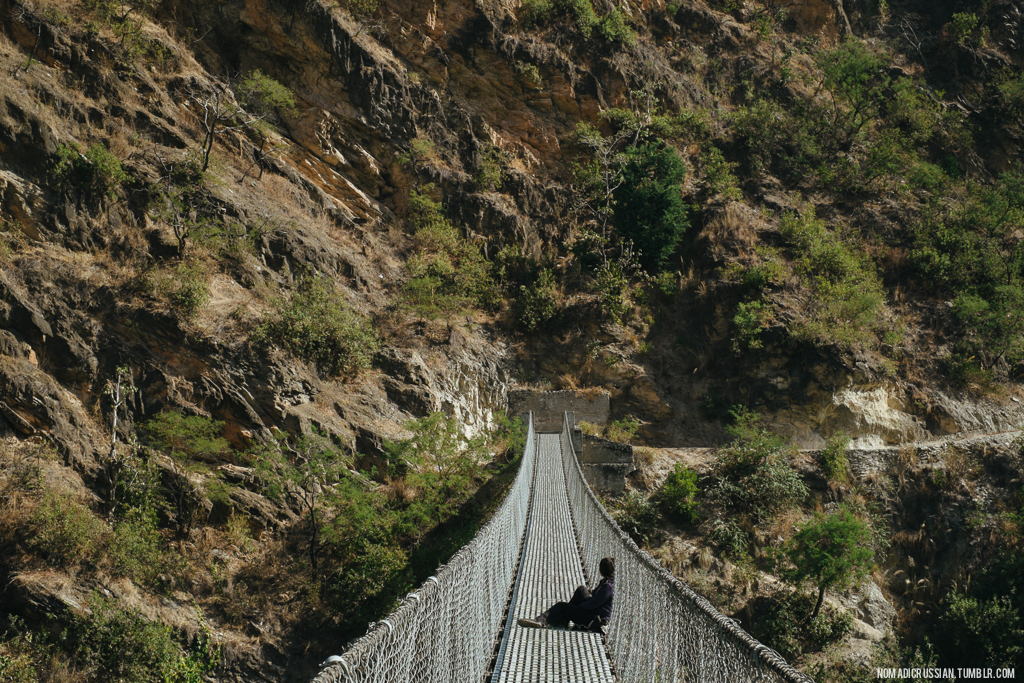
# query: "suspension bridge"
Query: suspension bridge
{"points": [[546, 538]]}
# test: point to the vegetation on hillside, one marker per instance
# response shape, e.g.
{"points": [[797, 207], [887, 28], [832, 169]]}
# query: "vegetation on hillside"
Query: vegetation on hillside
{"points": [[715, 187], [360, 540]]}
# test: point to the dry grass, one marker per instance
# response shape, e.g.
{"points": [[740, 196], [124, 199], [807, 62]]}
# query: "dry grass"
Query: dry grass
{"points": [[915, 544], [783, 524], [733, 228], [399, 490], [643, 457], [961, 467], [568, 382]]}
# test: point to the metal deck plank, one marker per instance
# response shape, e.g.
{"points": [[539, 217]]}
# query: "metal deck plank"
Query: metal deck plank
{"points": [[550, 571]]}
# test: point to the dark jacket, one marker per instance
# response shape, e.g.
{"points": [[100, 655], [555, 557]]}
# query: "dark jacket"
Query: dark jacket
{"points": [[601, 601]]}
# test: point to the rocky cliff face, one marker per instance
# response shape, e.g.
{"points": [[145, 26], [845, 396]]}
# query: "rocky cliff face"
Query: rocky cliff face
{"points": [[430, 96]]}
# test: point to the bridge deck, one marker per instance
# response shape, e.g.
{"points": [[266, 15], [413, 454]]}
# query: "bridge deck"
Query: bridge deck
{"points": [[550, 571]]}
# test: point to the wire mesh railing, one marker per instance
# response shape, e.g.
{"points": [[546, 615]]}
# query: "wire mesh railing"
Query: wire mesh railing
{"points": [[660, 629], [445, 631]]}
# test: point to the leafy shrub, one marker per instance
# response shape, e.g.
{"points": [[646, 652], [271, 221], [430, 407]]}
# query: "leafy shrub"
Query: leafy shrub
{"points": [[613, 28], [366, 585], [190, 292], [581, 12], [66, 532], [986, 621], [313, 470], [535, 12], [960, 248], [135, 547], [833, 458], [315, 325], [857, 81], [447, 273], [622, 431], [442, 463], [512, 271], [678, 495], [529, 73], [991, 630], [751, 319], [718, 175], [262, 95], [421, 150], [636, 514], [490, 171], [966, 29], [958, 467], [510, 436], [192, 437], [1010, 89], [997, 322], [971, 248], [126, 19], [614, 288], [97, 170], [782, 623], [121, 645], [650, 211], [538, 303], [751, 473], [729, 537], [849, 301], [830, 626], [760, 130]]}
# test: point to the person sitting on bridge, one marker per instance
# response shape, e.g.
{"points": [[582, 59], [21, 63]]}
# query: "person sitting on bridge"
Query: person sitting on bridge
{"points": [[587, 611]]}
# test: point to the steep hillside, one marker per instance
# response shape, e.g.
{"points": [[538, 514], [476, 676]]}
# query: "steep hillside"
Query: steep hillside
{"points": [[239, 237]]}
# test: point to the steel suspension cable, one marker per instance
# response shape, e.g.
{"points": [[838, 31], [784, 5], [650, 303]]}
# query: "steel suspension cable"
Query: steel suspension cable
{"points": [[445, 631], [660, 629]]}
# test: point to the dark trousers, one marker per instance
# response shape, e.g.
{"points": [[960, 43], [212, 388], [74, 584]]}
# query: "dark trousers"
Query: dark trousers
{"points": [[561, 613]]}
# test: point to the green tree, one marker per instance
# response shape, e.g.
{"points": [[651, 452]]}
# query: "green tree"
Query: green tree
{"points": [[255, 99], [833, 551], [678, 495], [856, 81], [649, 207], [310, 471], [441, 461]]}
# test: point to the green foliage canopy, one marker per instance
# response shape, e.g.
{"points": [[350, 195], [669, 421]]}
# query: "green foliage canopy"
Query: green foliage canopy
{"points": [[316, 325], [751, 474], [649, 206], [192, 437], [442, 462], [850, 300], [678, 495], [987, 620], [833, 551], [446, 272]]}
